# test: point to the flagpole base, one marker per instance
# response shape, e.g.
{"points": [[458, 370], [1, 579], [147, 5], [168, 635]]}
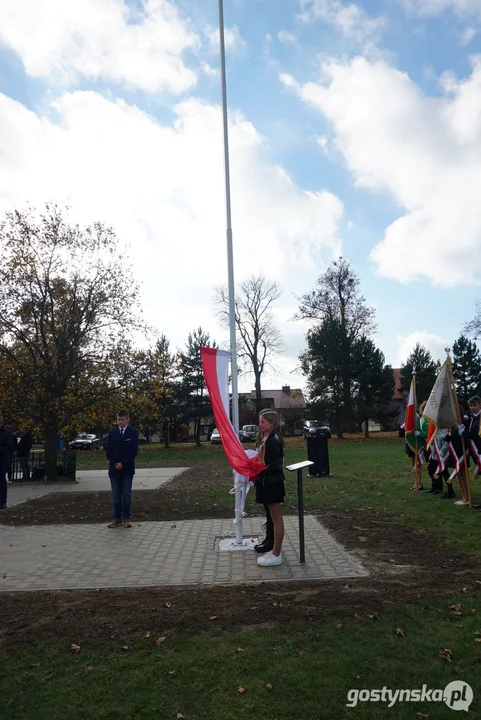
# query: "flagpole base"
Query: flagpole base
{"points": [[230, 544]]}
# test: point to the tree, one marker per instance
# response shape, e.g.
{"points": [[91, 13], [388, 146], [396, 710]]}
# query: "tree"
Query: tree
{"points": [[373, 385], [466, 368], [67, 303], [342, 316], [258, 338], [193, 388], [426, 372], [166, 386], [323, 365]]}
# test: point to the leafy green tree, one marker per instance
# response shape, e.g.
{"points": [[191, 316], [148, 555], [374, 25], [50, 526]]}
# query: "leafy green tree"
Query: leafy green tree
{"points": [[194, 394], [68, 302], [323, 364], [466, 369], [342, 316], [426, 371]]}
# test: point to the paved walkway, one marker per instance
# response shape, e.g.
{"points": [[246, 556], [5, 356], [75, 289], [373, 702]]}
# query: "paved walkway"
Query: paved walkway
{"points": [[159, 553], [90, 481]]}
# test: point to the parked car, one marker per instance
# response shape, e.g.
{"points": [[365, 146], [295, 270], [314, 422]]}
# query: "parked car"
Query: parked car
{"points": [[85, 441], [249, 433], [316, 428], [215, 437]]}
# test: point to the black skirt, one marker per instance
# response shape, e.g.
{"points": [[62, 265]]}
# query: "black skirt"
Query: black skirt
{"points": [[270, 493]]}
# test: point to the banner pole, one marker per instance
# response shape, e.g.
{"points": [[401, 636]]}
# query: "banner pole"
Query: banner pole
{"points": [[416, 459], [458, 412], [230, 267]]}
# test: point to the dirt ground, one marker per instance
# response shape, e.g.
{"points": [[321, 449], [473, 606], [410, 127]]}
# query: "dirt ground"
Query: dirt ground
{"points": [[405, 567]]}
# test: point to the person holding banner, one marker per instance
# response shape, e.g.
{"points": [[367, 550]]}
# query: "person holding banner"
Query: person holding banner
{"points": [[270, 490]]}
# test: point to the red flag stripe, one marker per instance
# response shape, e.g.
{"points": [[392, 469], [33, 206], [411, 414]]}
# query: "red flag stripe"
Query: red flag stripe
{"points": [[230, 442]]}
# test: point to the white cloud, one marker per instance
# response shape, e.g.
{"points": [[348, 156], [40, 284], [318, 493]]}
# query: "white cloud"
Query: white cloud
{"points": [[101, 39], [288, 80], [468, 34], [286, 37], [232, 38], [350, 19], [424, 152], [161, 187], [436, 7], [435, 344]]}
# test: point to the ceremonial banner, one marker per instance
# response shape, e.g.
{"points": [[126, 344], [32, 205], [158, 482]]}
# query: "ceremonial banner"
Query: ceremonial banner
{"points": [[440, 408], [215, 364], [415, 442]]}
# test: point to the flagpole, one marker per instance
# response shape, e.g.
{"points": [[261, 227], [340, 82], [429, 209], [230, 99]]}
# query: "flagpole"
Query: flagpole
{"points": [[458, 411], [416, 468], [230, 267]]}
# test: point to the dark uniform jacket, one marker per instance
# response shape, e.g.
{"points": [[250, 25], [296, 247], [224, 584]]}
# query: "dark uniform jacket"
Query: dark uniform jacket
{"points": [[274, 459], [122, 449]]}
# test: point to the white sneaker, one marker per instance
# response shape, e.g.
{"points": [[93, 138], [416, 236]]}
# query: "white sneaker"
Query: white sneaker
{"points": [[269, 559], [462, 502]]}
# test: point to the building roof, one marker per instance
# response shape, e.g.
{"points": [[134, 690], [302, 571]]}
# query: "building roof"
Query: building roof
{"points": [[283, 398]]}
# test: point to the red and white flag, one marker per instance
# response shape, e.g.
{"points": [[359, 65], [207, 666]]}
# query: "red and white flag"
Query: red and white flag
{"points": [[410, 418], [215, 364]]}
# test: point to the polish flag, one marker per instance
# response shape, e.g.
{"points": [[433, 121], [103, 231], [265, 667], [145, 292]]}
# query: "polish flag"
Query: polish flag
{"points": [[215, 364], [410, 419]]}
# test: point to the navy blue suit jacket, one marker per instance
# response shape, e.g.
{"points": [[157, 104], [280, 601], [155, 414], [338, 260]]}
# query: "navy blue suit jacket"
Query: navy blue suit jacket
{"points": [[122, 450]]}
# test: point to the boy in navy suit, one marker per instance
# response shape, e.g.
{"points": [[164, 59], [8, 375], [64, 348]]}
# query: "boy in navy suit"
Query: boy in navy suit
{"points": [[121, 449]]}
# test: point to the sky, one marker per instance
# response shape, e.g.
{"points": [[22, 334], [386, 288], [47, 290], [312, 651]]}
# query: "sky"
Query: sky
{"points": [[355, 130]]}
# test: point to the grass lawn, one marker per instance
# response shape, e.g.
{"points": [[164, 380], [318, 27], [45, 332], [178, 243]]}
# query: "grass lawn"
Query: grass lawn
{"points": [[311, 665], [311, 669]]}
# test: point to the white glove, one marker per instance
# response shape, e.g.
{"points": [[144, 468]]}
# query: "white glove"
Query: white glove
{"points": [[416, 433], [461, 429]]}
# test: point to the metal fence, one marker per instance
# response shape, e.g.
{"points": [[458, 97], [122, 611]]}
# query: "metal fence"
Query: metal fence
{"points": [[66, 467]]}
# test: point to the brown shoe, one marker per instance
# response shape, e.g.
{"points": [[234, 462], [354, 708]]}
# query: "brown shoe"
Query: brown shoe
{"points": [[114, 523], [127, 523]]}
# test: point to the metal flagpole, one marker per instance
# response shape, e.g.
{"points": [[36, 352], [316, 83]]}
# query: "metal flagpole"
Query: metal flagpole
{"points": [[230, 267]]}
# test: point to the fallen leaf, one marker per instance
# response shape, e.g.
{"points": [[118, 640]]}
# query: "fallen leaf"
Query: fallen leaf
{"points": [[88, 667], [125, 647], [160, 640], [357, 678], [346, 587], [75, 647], [35, 664], [339, 626], [179, 715], [167, 604], [477, 639], [464, 590], [422, 716], [238, 650], [400, 631], [456, 609], [171, 672], [445, 654], [240, 690], [374, 616], [269, 686], [358, 617], [146, 634], [214, 617], [431, 607]]}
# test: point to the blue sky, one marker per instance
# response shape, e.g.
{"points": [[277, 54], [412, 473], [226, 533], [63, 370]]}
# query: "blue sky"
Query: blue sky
{"points": [[355, 129]]}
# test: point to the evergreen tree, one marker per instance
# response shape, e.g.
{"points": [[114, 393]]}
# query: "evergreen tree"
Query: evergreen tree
{"points": [[193, 388], [373, 384], [466, 369], [426, 371], [342, 316]]}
